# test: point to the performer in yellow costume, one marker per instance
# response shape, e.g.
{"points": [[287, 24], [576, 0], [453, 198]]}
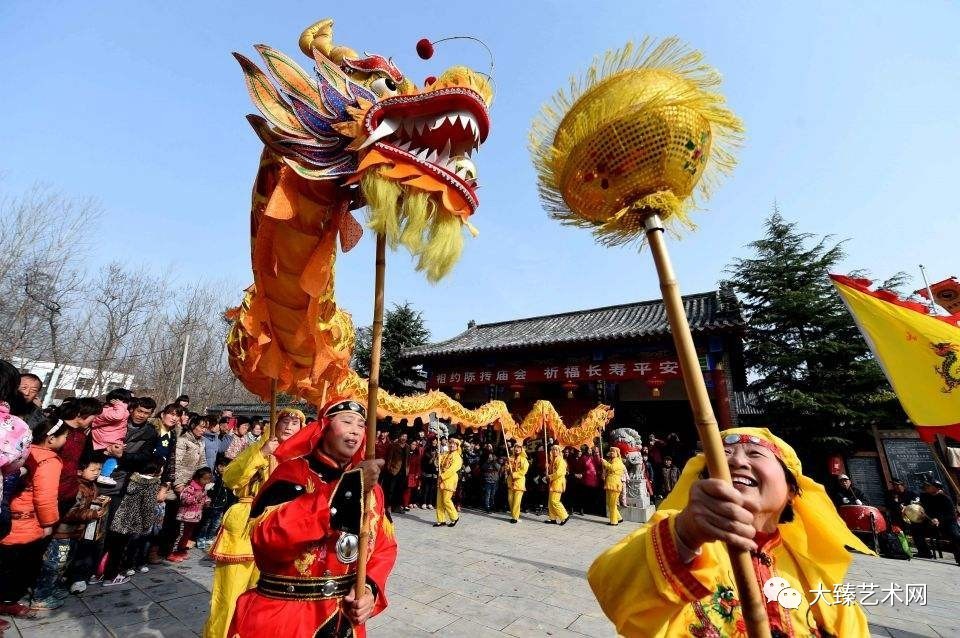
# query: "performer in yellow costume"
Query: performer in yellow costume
{"points": [[449, 465], [613, 472], [232, 552], [673, 576], [517, 480], [556, 512]]}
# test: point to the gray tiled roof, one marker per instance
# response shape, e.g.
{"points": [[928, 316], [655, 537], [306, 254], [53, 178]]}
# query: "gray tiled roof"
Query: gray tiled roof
{"points": [[707, 312]]}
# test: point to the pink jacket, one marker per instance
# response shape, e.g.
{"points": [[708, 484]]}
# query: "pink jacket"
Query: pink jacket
{"points": [[14, 440], [110, 426], [192, 499], [591, 475]]}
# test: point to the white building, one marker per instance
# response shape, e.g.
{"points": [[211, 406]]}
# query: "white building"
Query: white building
{"points": [[64, 380]]}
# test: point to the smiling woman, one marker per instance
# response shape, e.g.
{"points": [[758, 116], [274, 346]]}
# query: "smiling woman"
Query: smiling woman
{"points": [[673, 577]]}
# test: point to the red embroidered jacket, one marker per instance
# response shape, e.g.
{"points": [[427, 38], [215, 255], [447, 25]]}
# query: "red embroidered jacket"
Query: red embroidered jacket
{"points": [[305, 521]]}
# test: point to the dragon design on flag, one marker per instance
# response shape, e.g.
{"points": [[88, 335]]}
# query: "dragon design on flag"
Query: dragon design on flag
{"points": [[949, 369]]}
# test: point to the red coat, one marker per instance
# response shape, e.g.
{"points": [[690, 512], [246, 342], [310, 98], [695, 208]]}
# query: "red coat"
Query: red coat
{"points": [[591, 475], [70, 454], [295, 538], [413, 468], [382, 447]]}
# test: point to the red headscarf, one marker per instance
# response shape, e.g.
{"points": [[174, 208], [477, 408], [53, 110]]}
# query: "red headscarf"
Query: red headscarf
{"points": [[304, 442]]}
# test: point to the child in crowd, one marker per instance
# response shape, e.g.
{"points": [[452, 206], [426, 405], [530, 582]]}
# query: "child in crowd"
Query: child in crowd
{"points": [[14, 441], [88, 506], [14, 449], [33, 513], [219, 502], [193, 498], [110, 427], [134, 520]]}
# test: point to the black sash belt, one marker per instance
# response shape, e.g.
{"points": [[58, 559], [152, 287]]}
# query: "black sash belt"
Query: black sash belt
{"points": [[307, 588]]}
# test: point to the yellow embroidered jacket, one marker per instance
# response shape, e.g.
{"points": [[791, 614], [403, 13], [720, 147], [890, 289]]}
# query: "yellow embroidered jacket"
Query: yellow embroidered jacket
{"points": [[558, 475], [449, 465], [646, 590], [518, 466]]}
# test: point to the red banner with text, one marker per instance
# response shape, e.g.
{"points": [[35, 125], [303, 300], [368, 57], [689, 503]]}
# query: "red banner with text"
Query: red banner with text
{"points": [[665, 369]]}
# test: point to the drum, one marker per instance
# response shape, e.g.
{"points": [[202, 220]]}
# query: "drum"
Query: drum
{"points": [[914, 513], [863, 518]]}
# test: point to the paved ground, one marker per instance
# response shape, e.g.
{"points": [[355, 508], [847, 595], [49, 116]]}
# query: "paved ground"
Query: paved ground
{"points": [[482, 578]]}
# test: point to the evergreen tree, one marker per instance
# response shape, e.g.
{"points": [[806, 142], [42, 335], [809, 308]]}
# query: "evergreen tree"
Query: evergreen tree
{"points": [[403, 327], [810, 367]]}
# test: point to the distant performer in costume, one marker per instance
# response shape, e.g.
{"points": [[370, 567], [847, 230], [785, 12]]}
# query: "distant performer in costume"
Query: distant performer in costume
{"points": [[517, 467], [556, 512], [235, 571], [673, 576], [304, 529], [448, 465], [614, 472]]}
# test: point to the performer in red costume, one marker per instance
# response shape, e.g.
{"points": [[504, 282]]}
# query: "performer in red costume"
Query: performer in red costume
{"points": [[306, 521]]}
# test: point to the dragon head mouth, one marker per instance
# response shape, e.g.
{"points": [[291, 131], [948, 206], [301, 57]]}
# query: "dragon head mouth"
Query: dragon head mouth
{"points": [[437, 132]]}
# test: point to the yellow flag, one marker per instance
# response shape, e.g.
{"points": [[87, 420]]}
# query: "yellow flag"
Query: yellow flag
{"points": [[919, 353]]}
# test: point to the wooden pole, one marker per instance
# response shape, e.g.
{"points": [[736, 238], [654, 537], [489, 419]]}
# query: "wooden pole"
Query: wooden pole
{"points": [[546, 449], [272, 424], [754, 612], [943, 468], [373, 385], [323, 400]]}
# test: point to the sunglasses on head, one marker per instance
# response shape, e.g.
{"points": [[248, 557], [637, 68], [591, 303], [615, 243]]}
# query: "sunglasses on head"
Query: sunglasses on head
{"points": [[739, 439]]}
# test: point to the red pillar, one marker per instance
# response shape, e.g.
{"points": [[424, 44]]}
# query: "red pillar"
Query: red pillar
{"points": [[722, 397]]}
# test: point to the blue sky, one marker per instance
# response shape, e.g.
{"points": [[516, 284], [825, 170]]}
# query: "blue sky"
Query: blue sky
{"points": [[850, 111]]}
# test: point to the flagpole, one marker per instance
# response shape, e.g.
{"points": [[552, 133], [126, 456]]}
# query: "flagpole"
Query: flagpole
{"points": [[933, 305]]}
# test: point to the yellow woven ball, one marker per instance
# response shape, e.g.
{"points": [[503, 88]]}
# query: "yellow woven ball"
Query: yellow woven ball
{"points": [[637, 135]]}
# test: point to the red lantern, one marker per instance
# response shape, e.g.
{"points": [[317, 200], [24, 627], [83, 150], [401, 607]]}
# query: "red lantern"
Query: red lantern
{"points": [[516, 387], [570, 387], [425, 49], [655, 383], [457, 389]]}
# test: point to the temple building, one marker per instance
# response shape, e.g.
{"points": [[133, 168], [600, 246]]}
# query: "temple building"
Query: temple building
{"points": [[620, 355]]}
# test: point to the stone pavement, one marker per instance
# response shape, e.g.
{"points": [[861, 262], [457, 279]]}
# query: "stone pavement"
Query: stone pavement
{"points": [[483, 578]]}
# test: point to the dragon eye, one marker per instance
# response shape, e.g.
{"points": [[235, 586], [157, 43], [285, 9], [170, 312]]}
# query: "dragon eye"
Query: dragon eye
{"points": [[384, 87]]}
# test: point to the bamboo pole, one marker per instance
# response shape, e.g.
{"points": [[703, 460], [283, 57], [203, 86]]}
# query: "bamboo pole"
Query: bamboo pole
{"points": [[373, 385], [944, 470], [323, 400], [546, 452], [754, 612], [272, 424]]}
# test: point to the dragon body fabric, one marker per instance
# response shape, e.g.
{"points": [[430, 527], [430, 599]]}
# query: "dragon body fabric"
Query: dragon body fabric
{"points": [[356, 132]]}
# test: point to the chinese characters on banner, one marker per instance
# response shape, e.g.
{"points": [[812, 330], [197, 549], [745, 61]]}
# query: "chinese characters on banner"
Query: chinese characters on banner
{"points": [[556, 373]]}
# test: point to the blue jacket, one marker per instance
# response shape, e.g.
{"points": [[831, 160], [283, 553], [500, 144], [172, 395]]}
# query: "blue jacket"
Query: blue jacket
{"points": [[212, 446]]}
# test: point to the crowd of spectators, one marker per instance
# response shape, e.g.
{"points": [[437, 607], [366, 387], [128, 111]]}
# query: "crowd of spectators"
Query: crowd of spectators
{"points": [[96, 491]]}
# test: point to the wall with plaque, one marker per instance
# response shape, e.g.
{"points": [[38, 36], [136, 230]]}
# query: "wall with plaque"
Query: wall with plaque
{"points": [[864, 472], [910, 460]]}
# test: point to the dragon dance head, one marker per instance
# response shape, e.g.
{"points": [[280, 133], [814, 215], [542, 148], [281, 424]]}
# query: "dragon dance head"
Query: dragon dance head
{"points": [[359, 120]]}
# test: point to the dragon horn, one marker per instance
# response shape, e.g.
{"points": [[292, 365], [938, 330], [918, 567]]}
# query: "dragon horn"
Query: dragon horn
{"points": [[319, 36]]}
